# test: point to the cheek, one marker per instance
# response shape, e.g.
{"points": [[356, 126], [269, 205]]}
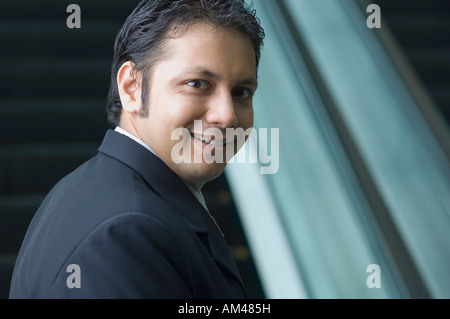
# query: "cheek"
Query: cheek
{"points": [[165, 115], [245, 118], [180, 110]]}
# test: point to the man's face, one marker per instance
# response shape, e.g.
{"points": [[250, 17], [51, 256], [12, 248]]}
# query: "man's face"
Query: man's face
{"points": [[208, 75]]}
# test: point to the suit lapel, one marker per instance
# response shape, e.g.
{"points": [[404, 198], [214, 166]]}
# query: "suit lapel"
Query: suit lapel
{"points": [[169, 186]]}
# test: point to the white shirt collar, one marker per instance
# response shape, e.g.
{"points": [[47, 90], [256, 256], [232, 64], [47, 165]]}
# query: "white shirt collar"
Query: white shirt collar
{"points": [[197, 194], [137, 140], [201, 199]]}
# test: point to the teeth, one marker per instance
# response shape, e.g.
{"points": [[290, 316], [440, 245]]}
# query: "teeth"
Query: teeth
{"points": [[198, 137], [207, 140]]}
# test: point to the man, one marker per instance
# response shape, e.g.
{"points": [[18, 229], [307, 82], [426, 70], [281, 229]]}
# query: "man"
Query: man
{"points": [[132, 222]]}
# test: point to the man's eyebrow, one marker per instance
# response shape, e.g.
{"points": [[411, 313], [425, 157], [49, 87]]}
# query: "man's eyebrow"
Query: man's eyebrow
{"points": [[250, 81], [204, 72], [207, 73]]}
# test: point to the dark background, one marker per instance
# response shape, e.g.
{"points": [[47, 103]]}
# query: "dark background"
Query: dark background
{"points": [[54, 83], [53, 87]]}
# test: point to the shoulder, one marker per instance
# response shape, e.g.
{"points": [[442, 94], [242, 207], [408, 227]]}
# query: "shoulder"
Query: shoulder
{"points": [[134, 230], [131, 255], [100, 188], [100, 193]]}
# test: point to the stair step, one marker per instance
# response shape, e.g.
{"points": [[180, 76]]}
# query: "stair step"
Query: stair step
{"points": [[16, 212], [52, 120], [7, 261], [441, 95], [420, 29], [36, 168], [55, 78], [56, 10], [412, 5], [432, 64], [40, 39]]}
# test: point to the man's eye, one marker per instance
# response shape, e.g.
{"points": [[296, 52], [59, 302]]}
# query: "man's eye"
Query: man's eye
{"points": [[198, 84], [243, 93]]}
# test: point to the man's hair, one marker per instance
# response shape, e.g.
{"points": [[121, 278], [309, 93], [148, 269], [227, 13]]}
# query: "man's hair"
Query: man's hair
{"points": [[141, 39]]}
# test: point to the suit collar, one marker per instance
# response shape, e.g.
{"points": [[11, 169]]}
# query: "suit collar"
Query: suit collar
{"points": [[159, 177], [170, 188]]}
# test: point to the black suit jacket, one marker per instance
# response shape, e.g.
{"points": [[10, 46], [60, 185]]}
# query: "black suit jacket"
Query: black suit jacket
{"points": [[134, 229]]}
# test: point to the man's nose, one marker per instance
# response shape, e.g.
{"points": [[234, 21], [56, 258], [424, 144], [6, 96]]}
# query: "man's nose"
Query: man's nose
{"points": [[221, 111]]}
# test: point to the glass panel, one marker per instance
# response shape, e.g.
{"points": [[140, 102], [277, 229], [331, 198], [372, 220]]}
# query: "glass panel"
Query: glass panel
{"points": [[318, 202], [406, 163]]}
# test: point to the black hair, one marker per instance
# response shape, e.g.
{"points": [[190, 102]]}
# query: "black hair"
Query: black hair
{"points": [[141, 38]]}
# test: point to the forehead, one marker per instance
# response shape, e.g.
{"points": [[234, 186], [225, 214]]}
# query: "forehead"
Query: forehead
{"points": [[202, 45]]}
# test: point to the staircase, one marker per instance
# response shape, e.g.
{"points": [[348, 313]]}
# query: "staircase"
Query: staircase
{"points": [[422, 29], [53, 87]]}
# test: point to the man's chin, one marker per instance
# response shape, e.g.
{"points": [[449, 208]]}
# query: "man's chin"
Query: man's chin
{"points": [[197, 174]]}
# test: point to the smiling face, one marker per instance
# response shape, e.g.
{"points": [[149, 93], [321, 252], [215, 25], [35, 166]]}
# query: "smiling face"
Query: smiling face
{"points": [[208, 74]]}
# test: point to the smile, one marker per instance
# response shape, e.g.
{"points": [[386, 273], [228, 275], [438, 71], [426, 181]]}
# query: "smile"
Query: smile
{"points": [[212, 142]]}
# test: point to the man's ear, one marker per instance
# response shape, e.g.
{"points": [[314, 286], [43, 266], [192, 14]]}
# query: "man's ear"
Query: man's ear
{"points": [[129, 88]]}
